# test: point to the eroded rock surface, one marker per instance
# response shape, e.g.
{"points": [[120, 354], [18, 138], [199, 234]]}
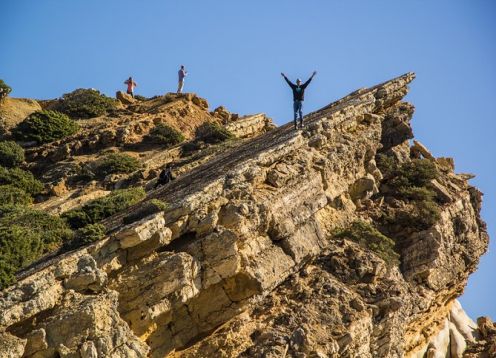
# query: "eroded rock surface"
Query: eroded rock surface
{"points": [[244, 261]]}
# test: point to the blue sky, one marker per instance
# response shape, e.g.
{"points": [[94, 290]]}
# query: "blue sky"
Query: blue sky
{"points": [[235, 50]]}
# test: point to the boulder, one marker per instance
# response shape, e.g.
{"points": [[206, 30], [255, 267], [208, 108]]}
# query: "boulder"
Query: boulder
{"points": [[124, 98], [441, 192], [418, 149]]}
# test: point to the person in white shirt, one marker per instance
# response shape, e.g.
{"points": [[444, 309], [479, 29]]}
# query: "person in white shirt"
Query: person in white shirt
{"points": [[182, 73]]}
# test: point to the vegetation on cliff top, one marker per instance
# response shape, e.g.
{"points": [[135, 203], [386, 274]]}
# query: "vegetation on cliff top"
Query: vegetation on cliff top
{"points": [[10, 194], [213, 133], [85, 103], [409, 182], [116, 163], [45, 127], [4, 89], [25, 235], [11, 154], [21, 179], [88, 234], [165, 135], [99, 209], [370, 238]]}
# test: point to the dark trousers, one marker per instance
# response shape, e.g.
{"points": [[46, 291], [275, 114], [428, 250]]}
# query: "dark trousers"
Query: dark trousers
{"points": [[131, 93], [297, 109]]}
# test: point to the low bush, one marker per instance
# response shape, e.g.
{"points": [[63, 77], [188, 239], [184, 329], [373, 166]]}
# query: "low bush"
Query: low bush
{"points": [[386, 164], [369, 237], [165, 135], [102, 208], [213, 133], [151, 207], [21, 179], [4, 90], [140, 98], [45, 127], [117, 163], [418, 216], [410, 182], [11, 154], [90, 233], [189, 148], [12, 195], [25, 235], [85, 103], [416, 173]]}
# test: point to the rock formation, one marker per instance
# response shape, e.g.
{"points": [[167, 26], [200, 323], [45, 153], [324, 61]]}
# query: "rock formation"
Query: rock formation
{"points": [[246, 261]]}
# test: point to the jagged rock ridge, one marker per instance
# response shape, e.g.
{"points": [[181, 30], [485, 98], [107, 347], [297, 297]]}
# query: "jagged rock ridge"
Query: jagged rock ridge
{"points": [[244, 261]]}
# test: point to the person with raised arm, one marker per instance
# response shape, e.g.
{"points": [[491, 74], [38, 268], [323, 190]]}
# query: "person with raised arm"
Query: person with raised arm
{"points": [[298, 97]]}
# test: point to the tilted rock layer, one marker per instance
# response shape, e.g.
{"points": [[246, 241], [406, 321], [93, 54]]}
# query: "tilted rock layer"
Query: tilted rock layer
{"points": [[244, 261]]}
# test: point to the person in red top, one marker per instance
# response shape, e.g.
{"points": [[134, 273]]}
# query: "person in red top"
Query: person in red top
{"points": [[130, 86]]}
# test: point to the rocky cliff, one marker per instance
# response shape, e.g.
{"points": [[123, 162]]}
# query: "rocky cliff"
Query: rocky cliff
{"points": [[339, 240]]}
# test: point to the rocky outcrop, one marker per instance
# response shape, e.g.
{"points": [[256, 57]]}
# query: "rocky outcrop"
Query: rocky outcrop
{"points": [[14, 111], [184, 112], [244, 262], [125, 98], [250, 126]]}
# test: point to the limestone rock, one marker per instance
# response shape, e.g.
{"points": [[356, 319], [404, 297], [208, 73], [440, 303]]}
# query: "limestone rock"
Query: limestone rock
{"points": [[124, 98], [11, 346], [441, 192], [244, 261], [144, 230], [419, 150]]}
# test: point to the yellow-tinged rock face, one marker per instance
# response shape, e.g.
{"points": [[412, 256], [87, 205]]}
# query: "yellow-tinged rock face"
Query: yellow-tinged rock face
{"points": [[243, 262]]}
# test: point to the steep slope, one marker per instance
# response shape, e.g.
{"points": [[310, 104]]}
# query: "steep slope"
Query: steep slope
{"points": [[246, 260], [14, 110]]}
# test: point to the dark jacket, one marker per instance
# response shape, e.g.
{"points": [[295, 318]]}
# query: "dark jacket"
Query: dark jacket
{"points": [[165, 177], [298, 91]]}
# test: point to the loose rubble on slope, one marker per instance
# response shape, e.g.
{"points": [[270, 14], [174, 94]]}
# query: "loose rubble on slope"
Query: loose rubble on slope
{"points": [[246, 260]]}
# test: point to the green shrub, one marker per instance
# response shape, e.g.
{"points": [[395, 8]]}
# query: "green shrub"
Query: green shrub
{"points": [[20, 179], [369, 237], [117, 163], [11, 154], [419, 216], [12, 195], [386, 164], [213, 133], [4, 90], [102, 208], [151, 207], [416, 193], [188, 148], [85, 103], [416, 173], [165, 135], [77, 218], [90, 233], [140, 98], [45, 127], [25, 235], [410, 182]]}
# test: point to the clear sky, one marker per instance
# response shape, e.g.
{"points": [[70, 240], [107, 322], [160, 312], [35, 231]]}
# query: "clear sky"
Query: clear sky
{"points": [[235, 50]]}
